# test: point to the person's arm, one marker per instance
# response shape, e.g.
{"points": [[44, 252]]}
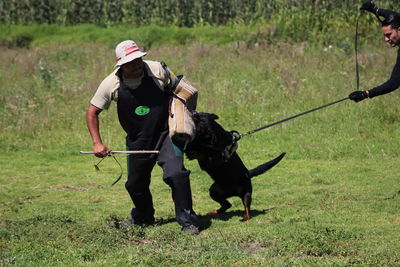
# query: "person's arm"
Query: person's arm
{"points": [[385, 12], [93, 124], [390, 85], [371, 7], [105, 94]]}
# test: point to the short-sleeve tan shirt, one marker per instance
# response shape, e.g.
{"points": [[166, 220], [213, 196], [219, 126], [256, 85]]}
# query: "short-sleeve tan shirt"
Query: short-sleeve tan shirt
{"points": [[108, 88]]}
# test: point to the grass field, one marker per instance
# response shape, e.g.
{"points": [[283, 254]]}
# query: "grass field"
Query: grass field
{"points": [[333, 200]]}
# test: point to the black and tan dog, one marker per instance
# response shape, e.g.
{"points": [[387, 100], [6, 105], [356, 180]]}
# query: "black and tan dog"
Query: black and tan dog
{"points": [[215, 152]]}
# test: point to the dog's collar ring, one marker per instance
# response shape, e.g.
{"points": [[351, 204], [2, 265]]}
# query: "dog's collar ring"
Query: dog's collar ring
{"points": [[235, 136]]}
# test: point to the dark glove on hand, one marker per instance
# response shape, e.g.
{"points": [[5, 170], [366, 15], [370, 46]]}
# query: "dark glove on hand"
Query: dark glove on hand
{"points": [[369, 6], [358, 95]]}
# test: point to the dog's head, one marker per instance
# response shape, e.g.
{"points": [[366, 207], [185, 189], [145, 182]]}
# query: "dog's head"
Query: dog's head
{"points": [[210, 138]]}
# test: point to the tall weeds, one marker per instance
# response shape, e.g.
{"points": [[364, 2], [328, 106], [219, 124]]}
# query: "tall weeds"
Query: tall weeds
{"points": [[176, 12], [45, 92]]}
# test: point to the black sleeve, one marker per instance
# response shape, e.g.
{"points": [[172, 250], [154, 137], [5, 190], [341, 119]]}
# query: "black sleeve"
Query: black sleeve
{"points": [[386, 12], [392, 84]]}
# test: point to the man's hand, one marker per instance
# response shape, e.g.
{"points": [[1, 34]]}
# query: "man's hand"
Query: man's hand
{"points": [[358, 95], [369, 6], [100, 150]]}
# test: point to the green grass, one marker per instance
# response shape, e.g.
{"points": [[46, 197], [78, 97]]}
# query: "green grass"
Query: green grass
{"points": [[333, 200], [147, 36], [316, 212], [337, 29]]}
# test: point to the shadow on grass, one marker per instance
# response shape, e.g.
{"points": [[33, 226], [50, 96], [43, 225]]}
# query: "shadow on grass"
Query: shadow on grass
{"points": [[394, 196], [205, 221]]}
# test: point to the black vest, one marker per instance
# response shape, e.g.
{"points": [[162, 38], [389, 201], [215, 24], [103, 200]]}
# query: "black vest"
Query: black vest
{"points": [[143, 113]]}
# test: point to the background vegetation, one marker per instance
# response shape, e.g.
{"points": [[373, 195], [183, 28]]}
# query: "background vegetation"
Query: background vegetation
{"points": [[297, 20], [333, 200], [168, 12]]}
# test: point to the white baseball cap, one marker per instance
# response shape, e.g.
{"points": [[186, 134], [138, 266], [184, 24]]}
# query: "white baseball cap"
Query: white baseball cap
{"points": [[127, 51]]}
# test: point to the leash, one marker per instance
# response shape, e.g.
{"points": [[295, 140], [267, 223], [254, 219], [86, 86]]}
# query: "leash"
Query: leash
{"points": [[112, 153], [237, 136], [356, 53], [96, 166], [356, 45]]}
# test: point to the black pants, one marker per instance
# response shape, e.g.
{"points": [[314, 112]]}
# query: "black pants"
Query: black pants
{"points": [[170, 159]]}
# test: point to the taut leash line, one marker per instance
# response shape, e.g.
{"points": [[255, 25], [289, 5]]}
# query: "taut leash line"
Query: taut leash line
{"points": [[124, 152], [237, 136]]}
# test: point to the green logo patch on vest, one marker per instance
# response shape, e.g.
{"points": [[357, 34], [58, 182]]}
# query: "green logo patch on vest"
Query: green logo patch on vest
{"points": [[142, 110]]}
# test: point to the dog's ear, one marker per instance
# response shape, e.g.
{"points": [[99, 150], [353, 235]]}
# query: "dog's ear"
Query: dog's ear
{"points": [[213, 116]]}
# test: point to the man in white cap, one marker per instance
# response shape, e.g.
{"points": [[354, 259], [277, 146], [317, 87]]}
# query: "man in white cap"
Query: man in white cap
{"points": [[139, 89]]}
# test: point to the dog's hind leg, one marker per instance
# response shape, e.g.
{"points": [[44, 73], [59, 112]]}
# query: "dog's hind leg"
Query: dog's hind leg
{"points": [[217, 194], [246, 199]]}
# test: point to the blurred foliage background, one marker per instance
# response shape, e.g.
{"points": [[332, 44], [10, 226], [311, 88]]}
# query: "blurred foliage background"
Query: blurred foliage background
{"points": [[186, 13], [313, 21]]}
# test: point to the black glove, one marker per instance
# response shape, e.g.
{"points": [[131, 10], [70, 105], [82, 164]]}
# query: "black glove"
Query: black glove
{"points": [[369, 6], [358, 95]]}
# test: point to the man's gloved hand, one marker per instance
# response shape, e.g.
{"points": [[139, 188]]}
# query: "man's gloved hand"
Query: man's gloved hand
{"points": [[369, 6], [358, 95]]}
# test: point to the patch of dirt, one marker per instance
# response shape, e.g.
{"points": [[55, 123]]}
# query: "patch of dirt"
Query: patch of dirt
{"points": [[65, 187], [27, 198], [253, 247]]}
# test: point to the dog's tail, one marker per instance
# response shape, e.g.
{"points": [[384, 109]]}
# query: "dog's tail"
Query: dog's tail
{"points": [[266, 166]]}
